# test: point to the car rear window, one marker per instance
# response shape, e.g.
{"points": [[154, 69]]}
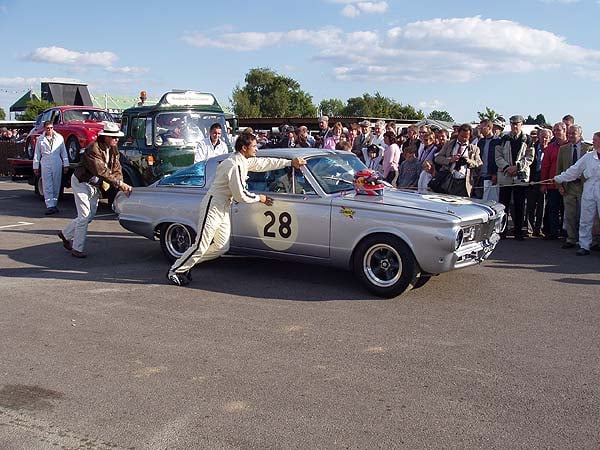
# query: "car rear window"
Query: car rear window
{"points": [[190, 176]]}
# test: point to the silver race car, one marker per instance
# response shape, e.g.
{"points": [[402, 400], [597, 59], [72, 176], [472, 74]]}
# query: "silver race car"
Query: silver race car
{"points": [[393, 241]]}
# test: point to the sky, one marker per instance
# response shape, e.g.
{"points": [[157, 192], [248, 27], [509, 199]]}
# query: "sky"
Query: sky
{"points": [[517, 57]]}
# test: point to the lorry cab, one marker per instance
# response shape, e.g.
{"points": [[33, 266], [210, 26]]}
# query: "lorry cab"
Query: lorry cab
{"points": [[162, 138]]}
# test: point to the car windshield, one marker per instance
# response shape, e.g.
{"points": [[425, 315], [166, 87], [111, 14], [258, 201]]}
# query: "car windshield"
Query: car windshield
{"points": [[186, 128], [335, 172], [83, 115], [190, 176]]}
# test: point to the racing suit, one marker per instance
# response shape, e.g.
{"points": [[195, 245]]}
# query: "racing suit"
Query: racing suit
{"points": [[588, 166], [51, 155], [214, 227]]}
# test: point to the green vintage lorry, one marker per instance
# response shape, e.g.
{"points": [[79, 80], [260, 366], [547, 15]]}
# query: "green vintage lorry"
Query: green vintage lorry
{"points": [[163, 137]]}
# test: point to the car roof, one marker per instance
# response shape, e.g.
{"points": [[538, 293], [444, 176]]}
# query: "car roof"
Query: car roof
{"points": [[70, 107], [298, 152]]}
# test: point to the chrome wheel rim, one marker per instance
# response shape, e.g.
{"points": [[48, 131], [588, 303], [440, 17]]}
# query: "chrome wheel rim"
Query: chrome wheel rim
{"points": [[382, 265], [72, 150], [178, 239]]}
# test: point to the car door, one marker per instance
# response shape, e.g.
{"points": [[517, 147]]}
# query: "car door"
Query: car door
{"points": [[297, 222]]}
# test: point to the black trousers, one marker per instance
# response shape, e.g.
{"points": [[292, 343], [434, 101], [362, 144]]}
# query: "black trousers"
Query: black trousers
{"points": [[535, 208], [517, 194], [552, 215]]}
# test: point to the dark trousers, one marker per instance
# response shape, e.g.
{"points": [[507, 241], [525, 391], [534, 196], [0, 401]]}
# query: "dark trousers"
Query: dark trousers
{"points": [[535, 208], [552, 223], [518, 195]]}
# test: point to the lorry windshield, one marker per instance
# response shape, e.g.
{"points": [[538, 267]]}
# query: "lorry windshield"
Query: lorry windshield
{"points": [[186, 129]]}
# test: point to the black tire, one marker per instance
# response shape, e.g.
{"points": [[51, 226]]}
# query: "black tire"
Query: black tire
{"points": [[29, 148], [175, 239], [421, 281], [73, 148], [385, 265]]}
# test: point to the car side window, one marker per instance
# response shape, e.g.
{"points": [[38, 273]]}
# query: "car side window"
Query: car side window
{"points": [[282, 181]]}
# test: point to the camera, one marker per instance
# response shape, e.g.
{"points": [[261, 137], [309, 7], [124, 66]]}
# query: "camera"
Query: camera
{"points": [[462, 161]]}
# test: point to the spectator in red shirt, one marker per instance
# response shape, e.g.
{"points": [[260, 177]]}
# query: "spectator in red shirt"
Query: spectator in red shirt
{"points": [[552, 223]]}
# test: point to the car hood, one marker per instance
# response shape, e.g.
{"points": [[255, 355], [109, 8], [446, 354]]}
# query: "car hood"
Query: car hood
{"points": [[460, 207]]}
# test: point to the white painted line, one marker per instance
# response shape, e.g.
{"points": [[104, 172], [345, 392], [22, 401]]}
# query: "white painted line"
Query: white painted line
{"points": [[18, 224]]}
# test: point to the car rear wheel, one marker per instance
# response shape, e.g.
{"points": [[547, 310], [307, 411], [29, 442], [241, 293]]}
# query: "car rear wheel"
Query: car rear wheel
{"points": [[175, 239], [385, 265], [421, 281], [73, 148]]}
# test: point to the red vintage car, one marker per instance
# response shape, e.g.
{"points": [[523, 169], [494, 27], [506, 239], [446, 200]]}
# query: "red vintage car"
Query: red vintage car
{"points": [[78, 125]]}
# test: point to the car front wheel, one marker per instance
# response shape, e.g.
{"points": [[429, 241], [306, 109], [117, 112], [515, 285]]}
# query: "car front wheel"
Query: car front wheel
{"points": [[175, 239], [385, 265], [73, 149]]}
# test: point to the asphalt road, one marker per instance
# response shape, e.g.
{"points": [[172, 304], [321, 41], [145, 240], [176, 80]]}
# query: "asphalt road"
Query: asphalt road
{"points": [[102, 353]]}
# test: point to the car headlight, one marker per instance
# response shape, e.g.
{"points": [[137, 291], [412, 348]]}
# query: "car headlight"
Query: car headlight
{"points": [[500, 224], [459, 239]]}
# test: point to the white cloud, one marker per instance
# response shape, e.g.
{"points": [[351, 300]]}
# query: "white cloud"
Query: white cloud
{"points": [[127, 70], [63, 56], [59, 55], [354, 8], [249, 41], [564, 2], [23, 82], [350, 11], [454, 49], [431, 104]]}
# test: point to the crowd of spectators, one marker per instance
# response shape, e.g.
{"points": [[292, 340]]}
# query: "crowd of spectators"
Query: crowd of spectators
{"points": [[12, 135], [485, 162]]}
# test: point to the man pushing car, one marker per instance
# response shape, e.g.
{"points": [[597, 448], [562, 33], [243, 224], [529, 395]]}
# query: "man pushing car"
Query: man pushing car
{"points": [[214, 227]]}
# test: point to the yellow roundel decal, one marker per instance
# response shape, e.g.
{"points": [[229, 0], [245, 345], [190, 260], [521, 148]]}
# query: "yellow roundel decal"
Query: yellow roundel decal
{"points": [[278, 227], [449, 199]]}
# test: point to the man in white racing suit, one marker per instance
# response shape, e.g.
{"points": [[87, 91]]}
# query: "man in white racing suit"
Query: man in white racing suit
{"points": [[214, 227], [588, 166], [50, 158]]}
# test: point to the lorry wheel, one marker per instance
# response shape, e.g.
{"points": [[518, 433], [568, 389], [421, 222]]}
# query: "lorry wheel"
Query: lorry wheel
{"points": [[73, 149], [175, 239], [385, 265]]}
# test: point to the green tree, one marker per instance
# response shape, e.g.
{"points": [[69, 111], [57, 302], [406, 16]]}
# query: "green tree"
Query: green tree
{"points": [[2, 114], [34, 107], [331, 107], [380, 106], [267, 94], [440, 115], [489, 113], [541, 120]]}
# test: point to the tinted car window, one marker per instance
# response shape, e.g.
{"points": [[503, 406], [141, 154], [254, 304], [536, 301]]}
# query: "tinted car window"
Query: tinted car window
{"points": [[190, 176]]}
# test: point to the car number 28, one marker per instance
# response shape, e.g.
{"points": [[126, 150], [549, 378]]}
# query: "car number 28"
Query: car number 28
{"points": [[278, 229], [285, 225]]}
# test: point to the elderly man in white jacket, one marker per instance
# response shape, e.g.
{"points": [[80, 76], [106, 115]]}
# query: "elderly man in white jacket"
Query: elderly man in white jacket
{"points": [[51, 157], [588, 166]]}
